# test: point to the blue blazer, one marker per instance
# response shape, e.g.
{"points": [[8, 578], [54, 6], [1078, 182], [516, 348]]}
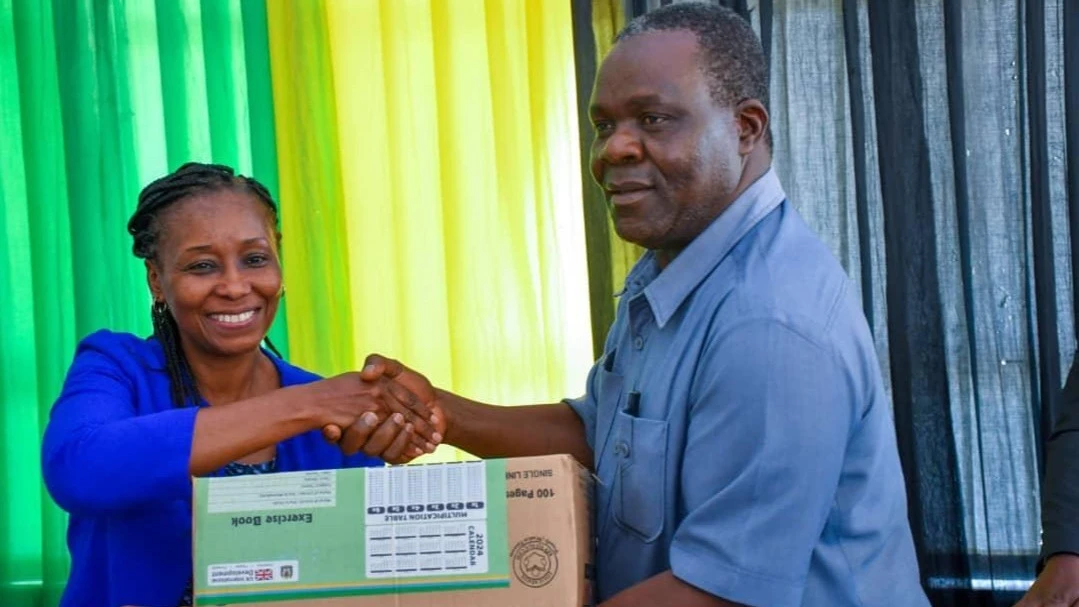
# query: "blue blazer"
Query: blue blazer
{"points": [[115, 456]]}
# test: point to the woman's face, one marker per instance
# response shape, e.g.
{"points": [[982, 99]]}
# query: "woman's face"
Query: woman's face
{"points": [[218, 270]]}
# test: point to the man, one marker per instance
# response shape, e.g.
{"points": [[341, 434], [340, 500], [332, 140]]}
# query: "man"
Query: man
{"points": [[1058, 582], [736, 422]]}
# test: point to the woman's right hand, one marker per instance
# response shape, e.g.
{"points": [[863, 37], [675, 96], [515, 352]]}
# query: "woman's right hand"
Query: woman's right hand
{"points": [[348, 399]]}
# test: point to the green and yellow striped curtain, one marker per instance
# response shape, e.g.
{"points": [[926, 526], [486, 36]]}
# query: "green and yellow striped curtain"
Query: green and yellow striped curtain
{"points": [[424, 153], [608, 18]]}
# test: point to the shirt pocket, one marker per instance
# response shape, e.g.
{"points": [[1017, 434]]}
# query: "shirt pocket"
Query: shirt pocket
{"points": [[609, 399], [641, 495]]}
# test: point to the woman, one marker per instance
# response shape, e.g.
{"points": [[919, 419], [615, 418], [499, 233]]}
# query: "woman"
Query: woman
{"points": [[137, 418]]}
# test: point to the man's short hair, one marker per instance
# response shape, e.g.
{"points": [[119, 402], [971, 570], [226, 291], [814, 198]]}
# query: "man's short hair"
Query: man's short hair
{"points": [[733, 59]]}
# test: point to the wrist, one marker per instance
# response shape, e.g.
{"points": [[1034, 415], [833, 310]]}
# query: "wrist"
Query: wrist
{"points": [[449, 409], [300, 406]]}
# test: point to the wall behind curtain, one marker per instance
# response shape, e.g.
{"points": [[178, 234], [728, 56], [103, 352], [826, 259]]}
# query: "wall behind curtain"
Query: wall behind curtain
{"points": [[423, 153], [927, 143]]}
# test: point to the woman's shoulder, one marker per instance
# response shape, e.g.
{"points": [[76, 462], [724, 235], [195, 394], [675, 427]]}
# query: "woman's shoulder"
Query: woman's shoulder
{"points": [[120, 348]]}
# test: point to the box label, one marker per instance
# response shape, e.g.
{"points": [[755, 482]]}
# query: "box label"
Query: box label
{"points": [[426, 520], [351, 532], [253, 573], [272, 492]]}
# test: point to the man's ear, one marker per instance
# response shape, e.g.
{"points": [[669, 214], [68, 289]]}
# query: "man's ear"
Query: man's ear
{"points": [[753, 121]]}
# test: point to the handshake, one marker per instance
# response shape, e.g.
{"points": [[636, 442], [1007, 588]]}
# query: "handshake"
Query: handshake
{"points": [[386, 410]]}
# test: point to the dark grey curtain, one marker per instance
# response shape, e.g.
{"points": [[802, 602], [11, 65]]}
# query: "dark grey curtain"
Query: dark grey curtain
{"points": [[927, 141]]}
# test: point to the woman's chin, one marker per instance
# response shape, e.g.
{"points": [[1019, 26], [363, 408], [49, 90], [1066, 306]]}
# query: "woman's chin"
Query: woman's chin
{"points": [[238, 345]]}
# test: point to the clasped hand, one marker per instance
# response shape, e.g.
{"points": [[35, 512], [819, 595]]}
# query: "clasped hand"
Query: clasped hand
{"points": [[386, 411], [410, 424]]}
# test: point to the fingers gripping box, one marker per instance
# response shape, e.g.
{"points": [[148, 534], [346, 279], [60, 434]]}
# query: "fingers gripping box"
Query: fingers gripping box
{"points": [[495, 533]]}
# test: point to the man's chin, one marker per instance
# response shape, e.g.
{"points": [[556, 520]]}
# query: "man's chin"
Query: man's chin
{"points": [[636, 232]]}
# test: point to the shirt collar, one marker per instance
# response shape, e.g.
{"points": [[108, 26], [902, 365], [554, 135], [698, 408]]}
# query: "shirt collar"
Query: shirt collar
{"points": [[666, 290]]}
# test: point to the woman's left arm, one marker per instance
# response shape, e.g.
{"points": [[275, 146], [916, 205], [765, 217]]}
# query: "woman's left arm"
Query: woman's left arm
{"points": [[98, 454]]}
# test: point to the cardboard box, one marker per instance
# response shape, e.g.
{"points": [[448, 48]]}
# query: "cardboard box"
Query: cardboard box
{"points": [[494, 533]]}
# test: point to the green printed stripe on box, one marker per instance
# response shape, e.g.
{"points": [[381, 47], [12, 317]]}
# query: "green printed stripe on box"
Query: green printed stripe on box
{"points": [[402, 584], [295, 593]]}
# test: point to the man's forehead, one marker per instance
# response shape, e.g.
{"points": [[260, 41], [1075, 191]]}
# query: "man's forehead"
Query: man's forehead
{"points": [[662, 51], [677, 45], [648, 62]]}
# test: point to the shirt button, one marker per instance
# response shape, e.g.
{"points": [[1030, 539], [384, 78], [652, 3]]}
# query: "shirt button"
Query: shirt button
{"points": [[638, 342], [621, 449]]}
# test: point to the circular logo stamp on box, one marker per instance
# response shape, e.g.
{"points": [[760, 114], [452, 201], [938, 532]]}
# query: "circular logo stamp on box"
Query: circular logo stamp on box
{"points": [[535, 561]]}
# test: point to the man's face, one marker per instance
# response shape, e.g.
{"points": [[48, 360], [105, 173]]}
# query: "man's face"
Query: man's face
{"points": [[668, 157]]}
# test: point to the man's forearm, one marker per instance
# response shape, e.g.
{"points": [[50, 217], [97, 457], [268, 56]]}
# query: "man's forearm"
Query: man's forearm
{"points": [[491, 431], [665, 590]]}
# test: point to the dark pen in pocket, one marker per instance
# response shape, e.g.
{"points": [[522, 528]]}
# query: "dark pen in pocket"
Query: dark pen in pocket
{"points": [[608, 361], [633, 403]]}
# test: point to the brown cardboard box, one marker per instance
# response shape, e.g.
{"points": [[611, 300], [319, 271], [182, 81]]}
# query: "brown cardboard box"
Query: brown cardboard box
{"points": [[548, 528]]}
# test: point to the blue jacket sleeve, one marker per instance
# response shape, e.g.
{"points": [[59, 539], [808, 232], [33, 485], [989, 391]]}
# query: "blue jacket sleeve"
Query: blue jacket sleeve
{"points": [[98, 454]]}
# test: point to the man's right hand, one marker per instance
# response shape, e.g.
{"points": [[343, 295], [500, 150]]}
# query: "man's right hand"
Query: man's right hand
{"points": [[384, 407], [1057, 585]]}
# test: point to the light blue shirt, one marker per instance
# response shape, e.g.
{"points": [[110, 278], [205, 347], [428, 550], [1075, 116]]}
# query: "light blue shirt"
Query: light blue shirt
{"points": [[741, 432]]}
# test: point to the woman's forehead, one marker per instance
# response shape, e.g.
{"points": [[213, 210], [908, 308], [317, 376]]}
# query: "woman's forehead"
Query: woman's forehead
{"points": [[217, 216]]}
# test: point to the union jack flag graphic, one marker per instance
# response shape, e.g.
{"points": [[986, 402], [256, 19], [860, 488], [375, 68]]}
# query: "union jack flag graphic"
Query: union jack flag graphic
{"points": [[263, 575]]}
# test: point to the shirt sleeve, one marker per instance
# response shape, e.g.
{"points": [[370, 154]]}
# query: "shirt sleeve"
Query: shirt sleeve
{"points": [[585, 406], [98, 455], [1060, 494], [768, 428]]}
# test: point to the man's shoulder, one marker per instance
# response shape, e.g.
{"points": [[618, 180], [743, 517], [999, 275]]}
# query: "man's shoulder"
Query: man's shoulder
{"points": [[783, 270]]}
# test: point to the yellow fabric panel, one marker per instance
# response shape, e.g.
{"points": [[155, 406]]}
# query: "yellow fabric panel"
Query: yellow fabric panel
{"points": [[457, 140], [312, 206]]}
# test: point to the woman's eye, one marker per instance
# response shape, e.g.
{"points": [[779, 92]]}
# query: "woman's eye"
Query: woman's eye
{"points": [[201, 267]]}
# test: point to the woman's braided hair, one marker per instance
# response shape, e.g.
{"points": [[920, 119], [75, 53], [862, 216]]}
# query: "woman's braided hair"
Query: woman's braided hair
{"points": [[145, 227]]}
